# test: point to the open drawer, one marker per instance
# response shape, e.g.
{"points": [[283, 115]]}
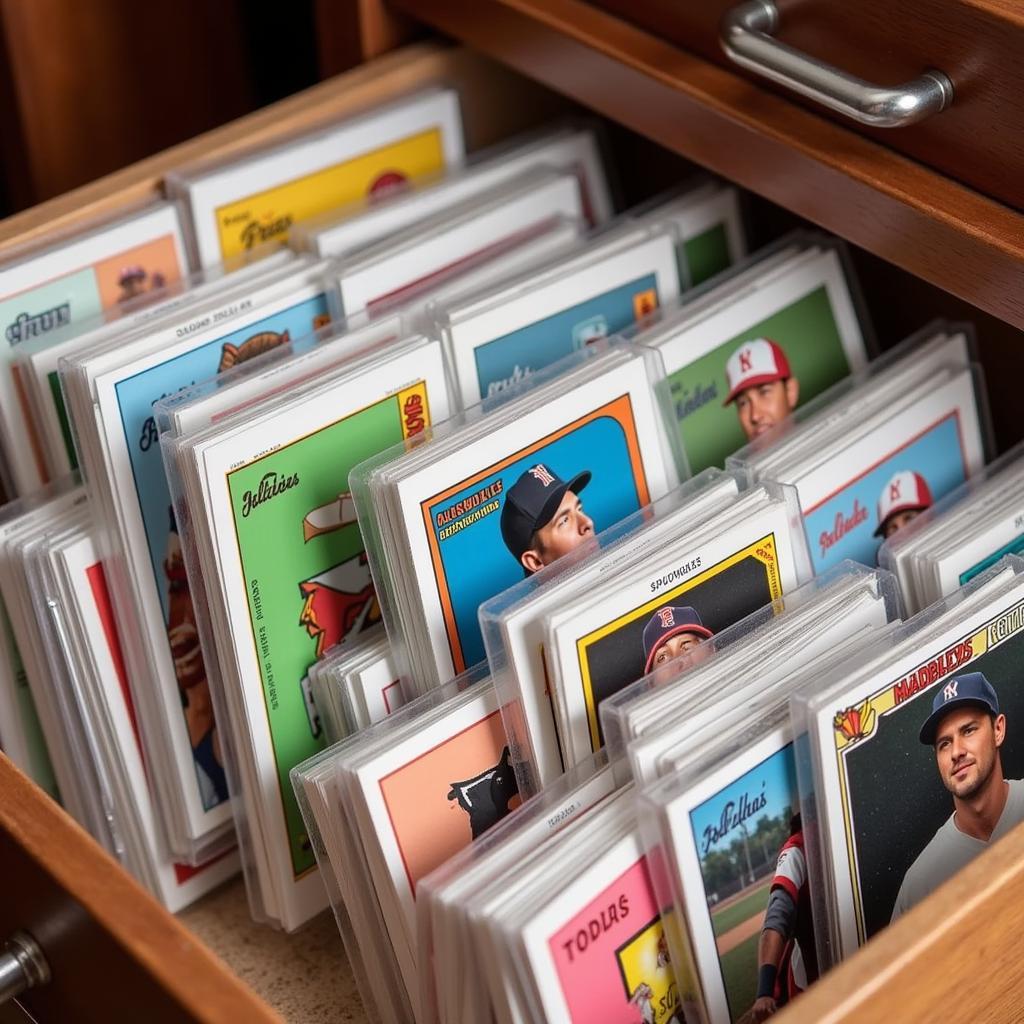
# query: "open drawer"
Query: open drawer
{"points": [[928, 246]]}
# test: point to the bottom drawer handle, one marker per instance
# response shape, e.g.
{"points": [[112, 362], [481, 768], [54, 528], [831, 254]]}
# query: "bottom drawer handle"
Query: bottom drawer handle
{"points": [[22, 966]]}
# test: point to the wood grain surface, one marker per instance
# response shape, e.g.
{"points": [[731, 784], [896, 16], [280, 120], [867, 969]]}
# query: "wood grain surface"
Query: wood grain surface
{"points": [[892, 206], [114, 953], [979, 140]]}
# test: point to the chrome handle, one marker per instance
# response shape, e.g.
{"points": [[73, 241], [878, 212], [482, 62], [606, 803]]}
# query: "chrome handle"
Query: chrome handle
{"points": [[22, 966], [747, 39]]}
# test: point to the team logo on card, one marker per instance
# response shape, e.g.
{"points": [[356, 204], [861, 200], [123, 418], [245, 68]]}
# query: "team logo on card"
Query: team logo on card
{"points": [[854, 724], [486, 797], [645, 302], [264, 341], [338, 601], [647, 976], [586, 332]]}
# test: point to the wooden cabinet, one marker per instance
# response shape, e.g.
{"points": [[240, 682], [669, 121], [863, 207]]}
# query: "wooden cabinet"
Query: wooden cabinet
{"points": [[925, 244]]}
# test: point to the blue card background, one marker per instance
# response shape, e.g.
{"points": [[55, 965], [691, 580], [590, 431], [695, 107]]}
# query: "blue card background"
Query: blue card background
{"points": [[136, 395], [936, 455], [542, 343], [475, 561]]}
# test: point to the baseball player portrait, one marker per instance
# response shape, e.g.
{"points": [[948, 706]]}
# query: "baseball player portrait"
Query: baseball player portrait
{"points": [[543, 518], [902, 500], [787, 959], [966, 730], [761, 386], [670, 632]]}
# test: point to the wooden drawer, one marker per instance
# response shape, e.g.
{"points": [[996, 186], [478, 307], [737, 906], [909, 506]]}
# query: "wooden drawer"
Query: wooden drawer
{"points": [[114, 951], [979, 140]]}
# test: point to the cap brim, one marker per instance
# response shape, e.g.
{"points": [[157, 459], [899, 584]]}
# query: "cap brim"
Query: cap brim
{"points": [[895, 512], [547, 513], [753, 382], [690, 627], [927, 733]]}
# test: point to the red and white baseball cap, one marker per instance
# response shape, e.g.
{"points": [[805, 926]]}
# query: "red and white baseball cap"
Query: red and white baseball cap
{"points": [[759, 361], [905, 491]]}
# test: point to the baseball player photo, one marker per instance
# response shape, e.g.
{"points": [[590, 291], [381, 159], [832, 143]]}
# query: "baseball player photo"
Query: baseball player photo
{"points": [[966, 731], [543, 518], [761, 386], [670, 632], [902, 500], [787, 959]]}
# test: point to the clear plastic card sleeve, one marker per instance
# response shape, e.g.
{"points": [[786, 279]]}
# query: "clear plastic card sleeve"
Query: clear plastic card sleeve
{"points": [[337, 845], [805, 707], [615, 711], [366, 487]]}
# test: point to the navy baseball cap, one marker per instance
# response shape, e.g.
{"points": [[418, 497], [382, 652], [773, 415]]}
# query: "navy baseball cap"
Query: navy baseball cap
{"points": [[970, 688], [667, 622], [531, 503]]}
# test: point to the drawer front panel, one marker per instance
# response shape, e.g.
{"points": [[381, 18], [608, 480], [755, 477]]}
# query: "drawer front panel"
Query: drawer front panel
{"points": [[979, 140]]}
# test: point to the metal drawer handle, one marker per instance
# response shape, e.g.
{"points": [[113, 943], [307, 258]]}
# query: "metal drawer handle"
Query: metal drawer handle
{"points": [[748, 41], [22, 966]]}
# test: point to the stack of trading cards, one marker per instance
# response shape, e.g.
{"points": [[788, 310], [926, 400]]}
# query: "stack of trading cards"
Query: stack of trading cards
{"points": [[489, 499], [55, 586], [279, 469], [408, 263], [498, 336], [256, 198], [46, 289], [567, 147], [757, 342], [110, 388], [391, 804], [37, 360], [356, 684], [724, 821], [460, 979], [564, 640], [913, 767], [934, 547], [655, 717], [917, 418]]}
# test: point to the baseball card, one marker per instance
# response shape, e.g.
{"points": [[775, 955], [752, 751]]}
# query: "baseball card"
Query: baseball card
{"points": [[126, 383], [256, 198], [425, 798], [937, 715], [284, 476], [499, 338], [509, 503], [734, 374], [658, 612], [45, 292]]}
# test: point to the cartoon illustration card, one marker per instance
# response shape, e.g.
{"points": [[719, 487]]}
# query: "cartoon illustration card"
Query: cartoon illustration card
{"points": [[598, 950], [45, 292], [929, 448], [604, 644], [289, 602], [427, 797], [499, 340], [733, 838], [257, 198], [940, 718], [485, 516], [125, 396], [737, 372]]}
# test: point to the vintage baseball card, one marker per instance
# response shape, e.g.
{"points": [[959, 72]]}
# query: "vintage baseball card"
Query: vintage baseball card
{"points": [[117, 388], [505, 504], [937, 714], [737, 372], [685, 594], [47, 290], [284, 475], [256, 198], [426, 797], [567, 147], [501, 336]]}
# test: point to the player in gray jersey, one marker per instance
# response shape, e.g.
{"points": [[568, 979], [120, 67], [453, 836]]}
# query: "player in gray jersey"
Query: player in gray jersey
{"points": [[966, 730]]}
